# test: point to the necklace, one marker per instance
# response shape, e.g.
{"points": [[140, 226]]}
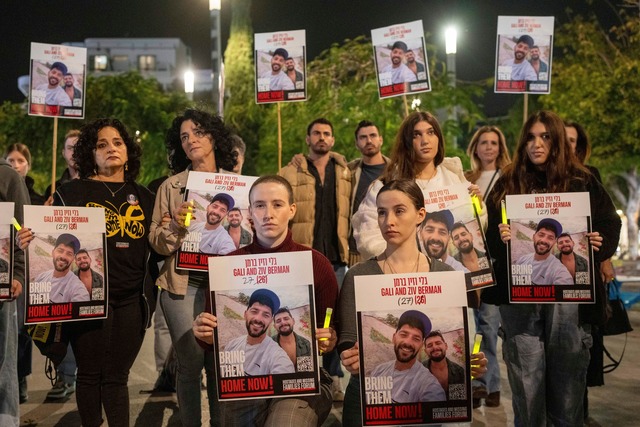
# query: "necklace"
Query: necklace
{"points": [[386, 257], [426, 184], [113, 193]]}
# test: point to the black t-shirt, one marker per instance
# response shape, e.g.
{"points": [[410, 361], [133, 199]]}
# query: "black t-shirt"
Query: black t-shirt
{"points": [[128, 218]]}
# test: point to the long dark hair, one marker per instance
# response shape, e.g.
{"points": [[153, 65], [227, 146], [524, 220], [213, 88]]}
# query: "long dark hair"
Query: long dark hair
{"points": [[212, 125], [84, 152]]}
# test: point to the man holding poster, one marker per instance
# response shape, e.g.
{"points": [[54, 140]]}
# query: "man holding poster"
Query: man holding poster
{"points": [[271, 208]]}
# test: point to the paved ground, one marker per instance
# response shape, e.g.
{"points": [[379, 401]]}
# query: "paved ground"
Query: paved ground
{"points": [[615, 404]]}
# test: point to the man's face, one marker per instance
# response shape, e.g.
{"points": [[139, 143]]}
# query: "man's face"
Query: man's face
{"points": [[520, 51], [277, 62], [290, 64], [83, 261], [543, 241], [284, 323], [257, 319], [62, 257], [397, 55], [436, 348], [67, 151], [55, 77], [572, 136], [462, 240], [535, 53], [320, 139], [406, 343], [239, 161], [369, 141], [68, 80], [235, 218], [435, 237], [565, 245], [216, 212], [411, 58], [270, 211]]}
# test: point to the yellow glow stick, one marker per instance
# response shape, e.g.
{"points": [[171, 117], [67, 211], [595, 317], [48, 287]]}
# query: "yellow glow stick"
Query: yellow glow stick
{"points": [[187, 218], [15, 224], [503, 205], [476, 204], [327, 321], [476, 343]]}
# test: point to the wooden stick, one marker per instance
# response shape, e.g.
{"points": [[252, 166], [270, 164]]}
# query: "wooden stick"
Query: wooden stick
{"points": [[54, 151], [279, 138]]}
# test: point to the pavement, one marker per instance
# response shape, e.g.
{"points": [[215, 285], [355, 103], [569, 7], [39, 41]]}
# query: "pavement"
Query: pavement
{"points": [[614, 404]]}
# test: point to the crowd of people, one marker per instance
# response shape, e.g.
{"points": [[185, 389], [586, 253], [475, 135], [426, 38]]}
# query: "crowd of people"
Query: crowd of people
{"points": [[358, 218]]}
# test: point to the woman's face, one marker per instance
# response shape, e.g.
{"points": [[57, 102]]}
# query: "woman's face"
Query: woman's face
{"points": [[425, 142], [488, 148], [111, 150], [197, 144], [538, 144], [572, 137], [19, 163], [398, 217]]}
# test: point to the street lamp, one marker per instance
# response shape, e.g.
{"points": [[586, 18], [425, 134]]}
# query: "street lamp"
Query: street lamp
{"points": [[216, 54], [450, 37], [189, 83]]}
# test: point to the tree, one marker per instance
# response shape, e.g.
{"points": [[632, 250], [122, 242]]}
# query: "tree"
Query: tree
{"points": [[139, 102], [595, 82]]}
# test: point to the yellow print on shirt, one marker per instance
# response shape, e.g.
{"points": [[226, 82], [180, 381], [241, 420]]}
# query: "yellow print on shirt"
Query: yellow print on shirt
{"points": [[131, 222]]}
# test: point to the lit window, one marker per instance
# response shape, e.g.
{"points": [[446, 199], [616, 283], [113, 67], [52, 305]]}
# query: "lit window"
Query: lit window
{"points": [[147, 62], [100, 62]]}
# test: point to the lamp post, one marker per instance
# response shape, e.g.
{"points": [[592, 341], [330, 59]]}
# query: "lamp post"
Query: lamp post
{"points": [[189, 83], [216, 52], [450, 36]]}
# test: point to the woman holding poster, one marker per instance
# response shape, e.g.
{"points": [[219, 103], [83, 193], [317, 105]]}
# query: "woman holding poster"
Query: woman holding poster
{"points": [[417, 154], [196, 141], [108, 162], [400, 207], [548, 386]]}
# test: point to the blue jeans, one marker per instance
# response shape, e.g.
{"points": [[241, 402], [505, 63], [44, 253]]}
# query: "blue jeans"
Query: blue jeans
{"points": [[487, 319], [546, 351], [9, 412], [67, 369], [351, 411], [179, 312]]}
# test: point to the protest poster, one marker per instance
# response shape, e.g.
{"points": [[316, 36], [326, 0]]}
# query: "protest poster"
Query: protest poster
{"points": [[6, 249], [281, 62], [220, 210], [549, 255], [66, 264], [452, 233], [410, 325], [400, 56], [57, 80], [258, 300], [523, 54]]}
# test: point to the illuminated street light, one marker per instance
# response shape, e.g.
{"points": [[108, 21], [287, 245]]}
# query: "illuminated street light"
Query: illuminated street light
{"points": [[189, 83], [215, 4], [450, 38]]}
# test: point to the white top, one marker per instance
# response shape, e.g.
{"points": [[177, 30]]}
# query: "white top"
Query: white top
{"points": [[521, 71], [278, 81], [216, 242], [416, 384], [547, 272], [55, 96], [68, 288], [484, 180], [401, 74], [266, 358]]}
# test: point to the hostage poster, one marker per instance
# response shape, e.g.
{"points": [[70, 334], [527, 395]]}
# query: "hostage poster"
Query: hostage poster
{"points": [[220, 220], [263, 302], [549, 254], [66, 264], [57, 81], [523, 54], [6, 249], [414, 354], [452, 233], [281, 61], [400, 56]]}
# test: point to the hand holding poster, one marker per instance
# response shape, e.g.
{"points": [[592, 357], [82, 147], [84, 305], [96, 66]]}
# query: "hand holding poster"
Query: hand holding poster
{"points": [[6, 249], [452, 233], [280, 66], [523, 54], [401, 59], [248, 293], [58, 75], [66, 264], [401, 319], [219, 223], [551, 259]]}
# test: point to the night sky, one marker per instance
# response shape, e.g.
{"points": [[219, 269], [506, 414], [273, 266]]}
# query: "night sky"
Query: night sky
{"points": [[325, 21]]}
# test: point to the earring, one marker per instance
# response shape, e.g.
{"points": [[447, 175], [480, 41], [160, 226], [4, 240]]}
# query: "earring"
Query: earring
{"points": [[126, 166], [95, 172]]}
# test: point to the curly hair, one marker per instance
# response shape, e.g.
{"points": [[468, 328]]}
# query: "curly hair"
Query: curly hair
{"points": [[476, 165], [84, 153], [212, 125], [403, 156]]}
